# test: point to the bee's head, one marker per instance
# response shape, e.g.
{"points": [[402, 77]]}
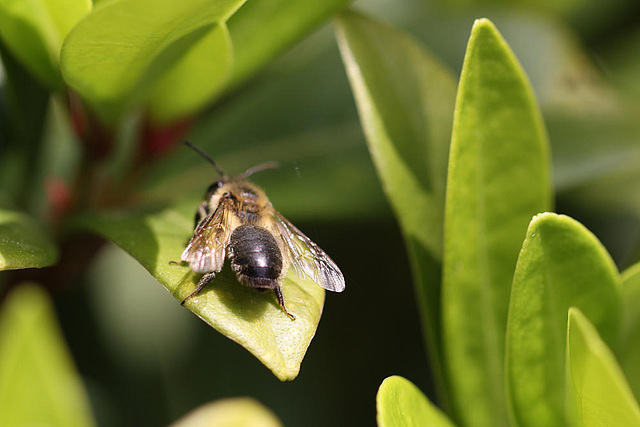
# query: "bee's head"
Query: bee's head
{"points": [[216, 185]]}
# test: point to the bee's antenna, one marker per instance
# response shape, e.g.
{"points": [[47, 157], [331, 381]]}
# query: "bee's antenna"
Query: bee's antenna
{"points": [[205, 155], [258, 168]]}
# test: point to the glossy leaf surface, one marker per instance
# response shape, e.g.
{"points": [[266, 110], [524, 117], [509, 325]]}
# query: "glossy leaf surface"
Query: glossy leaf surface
{"points": [[23, 244], [629, 346]]}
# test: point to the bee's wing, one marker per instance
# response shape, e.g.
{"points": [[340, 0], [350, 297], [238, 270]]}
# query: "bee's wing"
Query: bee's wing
{"points": [[206, 249], [308, 259]]}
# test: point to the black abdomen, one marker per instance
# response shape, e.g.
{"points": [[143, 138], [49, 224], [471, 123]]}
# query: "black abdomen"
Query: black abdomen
{"points": [[255, 257]]}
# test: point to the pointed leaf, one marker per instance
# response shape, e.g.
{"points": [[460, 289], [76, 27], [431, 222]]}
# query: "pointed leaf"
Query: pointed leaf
{"points": [[38, 382], [238, 412], [498, 179], [561, 265], [23, 244], [629, 348], [262, 29], [189, 84], [405, 101], [34, 30], [598, 394], [253, 320], [114, 56], [401, 404]]}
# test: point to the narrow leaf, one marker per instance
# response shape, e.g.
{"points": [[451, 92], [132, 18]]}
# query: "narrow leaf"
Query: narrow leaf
{"points": [[401, 404], [23, 244], [238, 412], [253, 320], [262, 29], [34, 31], [498, 179], [189, 84], [598, 394], [117, 53], [561, 265], [629, 347], [38, 382], [405, 100]]}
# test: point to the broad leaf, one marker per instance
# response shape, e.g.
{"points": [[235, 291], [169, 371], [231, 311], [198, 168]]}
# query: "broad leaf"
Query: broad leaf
{"points": [[597, 392], [561, 265], [402, 404], [405, 101], [498, 179], [262, 29], [629, 347], [38, 382], [251, 319], [117, 53], [238, 412], [23, 244], [34, 31]]}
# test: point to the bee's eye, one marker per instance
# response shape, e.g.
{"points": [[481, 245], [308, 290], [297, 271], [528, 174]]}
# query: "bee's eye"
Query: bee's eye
{"points": [[214, 187]]}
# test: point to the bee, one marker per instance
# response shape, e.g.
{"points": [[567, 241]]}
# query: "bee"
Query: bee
{"points": [[237, 220]]}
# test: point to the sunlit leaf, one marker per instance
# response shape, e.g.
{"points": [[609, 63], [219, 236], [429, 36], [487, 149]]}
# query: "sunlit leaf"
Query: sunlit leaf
{"points": [[23, 244], [39, 385], [597, 392], [561, 265], [238, 412], [629, 347], [498, 179]]}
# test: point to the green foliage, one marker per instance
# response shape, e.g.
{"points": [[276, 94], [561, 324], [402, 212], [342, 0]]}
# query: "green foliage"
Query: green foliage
{"points": [[400, 403], [629, 344], [23, 244], [238, 412], [38, 382]]}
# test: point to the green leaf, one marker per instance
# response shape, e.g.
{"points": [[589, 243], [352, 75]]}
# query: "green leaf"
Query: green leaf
{"points": [[253, 320], [561, 265], [498, 179], [262, 29], [117, 53], [405, 101], [34, 30], [237, 412], [598, 394], [38, 382], [400, 403], [629, 348], [189, 84], [23, 244]]}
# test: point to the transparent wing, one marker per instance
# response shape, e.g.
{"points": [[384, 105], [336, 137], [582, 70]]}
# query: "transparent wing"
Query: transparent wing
{"points": [[206, 249], [307, 259]]}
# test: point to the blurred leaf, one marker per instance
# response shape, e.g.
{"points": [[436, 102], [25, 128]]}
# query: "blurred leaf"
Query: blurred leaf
{"points": [[261, 29], [402, 404], [561, 265], [498, 179], [114, 56], [251, 319], [33, 30], [189, 84], [405, 100], [237, 412], [598, 394], [39, 385], [23, 244], [629, 348]]}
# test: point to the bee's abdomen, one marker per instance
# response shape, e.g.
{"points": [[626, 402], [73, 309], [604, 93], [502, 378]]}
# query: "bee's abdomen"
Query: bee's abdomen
{"points": [[255, 257]]}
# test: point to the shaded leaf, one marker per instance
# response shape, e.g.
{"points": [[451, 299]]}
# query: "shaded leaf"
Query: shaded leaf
{"points": [[251, 319], [405, 101], [23, 244], [34, 31], [400, 403], [598, 394], [117, 53], [561, 265], [238, 412], [38, 382], [629, 347], [498, 179]]}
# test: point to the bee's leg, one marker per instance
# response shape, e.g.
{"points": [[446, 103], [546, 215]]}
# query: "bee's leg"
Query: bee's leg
{"points": [[280, 299], [201, 284]]}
